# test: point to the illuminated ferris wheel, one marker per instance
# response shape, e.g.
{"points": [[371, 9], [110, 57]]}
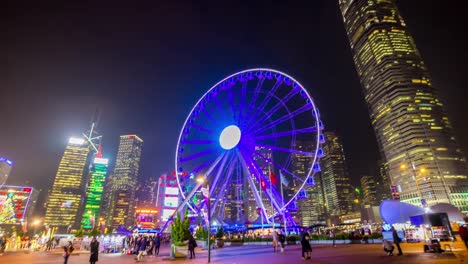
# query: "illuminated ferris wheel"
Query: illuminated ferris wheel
{"points": [[242, 136]]}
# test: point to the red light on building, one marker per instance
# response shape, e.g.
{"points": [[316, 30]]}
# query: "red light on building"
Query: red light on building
{"points": [[27, 190], [131, 137]]}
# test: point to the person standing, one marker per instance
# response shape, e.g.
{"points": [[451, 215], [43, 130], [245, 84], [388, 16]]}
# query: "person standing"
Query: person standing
{"points": [[192, 244], [306, 248], [94, 250], [463, 231], [332, 236], [282, 240], [157, 244], [275, 241], [396, 240], [67, 250]]}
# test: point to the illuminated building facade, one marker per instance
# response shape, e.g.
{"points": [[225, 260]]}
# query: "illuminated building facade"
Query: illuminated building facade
{"points": [[146, 217], [311, 208], [17, 204], [415, 136], [369, 191], [66, 195], [167, 196], [94, 192], [337, 190], [5, 169], [123, 182]]}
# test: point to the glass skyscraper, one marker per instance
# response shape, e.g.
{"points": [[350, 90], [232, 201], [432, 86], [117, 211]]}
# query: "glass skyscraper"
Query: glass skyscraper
{"points": [[66, 195], [338, 193], [311, 208], [424, 162], [123, 182]]}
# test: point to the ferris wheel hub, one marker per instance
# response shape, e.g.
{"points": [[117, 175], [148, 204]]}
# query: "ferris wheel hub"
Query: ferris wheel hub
{"points": [[230, 137]]}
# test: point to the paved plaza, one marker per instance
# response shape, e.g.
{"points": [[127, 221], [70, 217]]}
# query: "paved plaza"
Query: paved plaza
{"points": [[371, 253]]}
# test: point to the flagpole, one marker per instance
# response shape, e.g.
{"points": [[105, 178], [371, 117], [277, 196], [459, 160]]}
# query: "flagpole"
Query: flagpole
{"points": [[261, 208], [282, 202], [271, 196]]}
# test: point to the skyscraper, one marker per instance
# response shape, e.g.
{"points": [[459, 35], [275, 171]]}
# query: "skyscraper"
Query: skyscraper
{"points": [[369, 191], [413, 132], [5, 169], [65, 197], [94, 192], [123, 182], [311, 208], [338, 194]]}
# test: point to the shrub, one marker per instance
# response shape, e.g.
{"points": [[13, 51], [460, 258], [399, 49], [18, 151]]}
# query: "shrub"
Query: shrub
{"points": [[219, 232], [180, 229], [376, 235], [201, 234], [292, 238]]}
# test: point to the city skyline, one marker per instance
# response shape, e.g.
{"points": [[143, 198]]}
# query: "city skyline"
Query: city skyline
{"points": [[159, 148]]}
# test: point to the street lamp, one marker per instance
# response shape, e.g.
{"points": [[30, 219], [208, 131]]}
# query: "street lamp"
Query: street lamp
{"points": [[202, 180], [35, 223]]}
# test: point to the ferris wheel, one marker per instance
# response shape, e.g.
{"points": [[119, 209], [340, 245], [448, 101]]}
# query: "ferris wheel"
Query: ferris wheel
{"points": [[243, 136]]}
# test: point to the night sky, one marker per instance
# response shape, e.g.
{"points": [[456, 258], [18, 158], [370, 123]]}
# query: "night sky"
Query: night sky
{"points": [[144, 66]]}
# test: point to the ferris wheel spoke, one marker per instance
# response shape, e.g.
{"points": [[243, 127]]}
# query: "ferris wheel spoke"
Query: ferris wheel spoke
{"points": [[284, 118], [197, 155], [214, 183], [282, 102], [287, 133], [266, 100], [273, 194], [223, 187], [251, 108], [242, 102], [196, 142], [220, 108], [248, 172], [207, 114], [200, 128]]}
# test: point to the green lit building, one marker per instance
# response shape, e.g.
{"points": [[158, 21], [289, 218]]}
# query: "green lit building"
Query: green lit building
{"points": [[94, 193], [65, 198], [422, 158]]}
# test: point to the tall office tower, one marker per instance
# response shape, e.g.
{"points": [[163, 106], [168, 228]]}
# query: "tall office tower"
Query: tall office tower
{"points": [[414, 134], [146, 192], [123, 182], [369, 191], [266, 169], [383, 183], [338, 193], [5, 169], [94, 192], [311, 208], [65, 197]]}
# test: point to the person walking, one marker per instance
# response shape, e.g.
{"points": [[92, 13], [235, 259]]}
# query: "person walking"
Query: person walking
{"points": [[332, 236], [94, 250], [141, 249], [306, 248], [67, 250], [275, 241], [396, 240], [192, 244], [157, 244], [463, 232], [282, 240]]}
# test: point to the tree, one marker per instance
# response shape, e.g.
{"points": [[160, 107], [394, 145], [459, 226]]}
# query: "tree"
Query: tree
{"points": [[94, 232], [79, 233], [180, 229]]}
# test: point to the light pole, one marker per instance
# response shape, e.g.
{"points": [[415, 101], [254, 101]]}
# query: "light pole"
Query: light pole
{"points": [[208, 204], [35, 224]]}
